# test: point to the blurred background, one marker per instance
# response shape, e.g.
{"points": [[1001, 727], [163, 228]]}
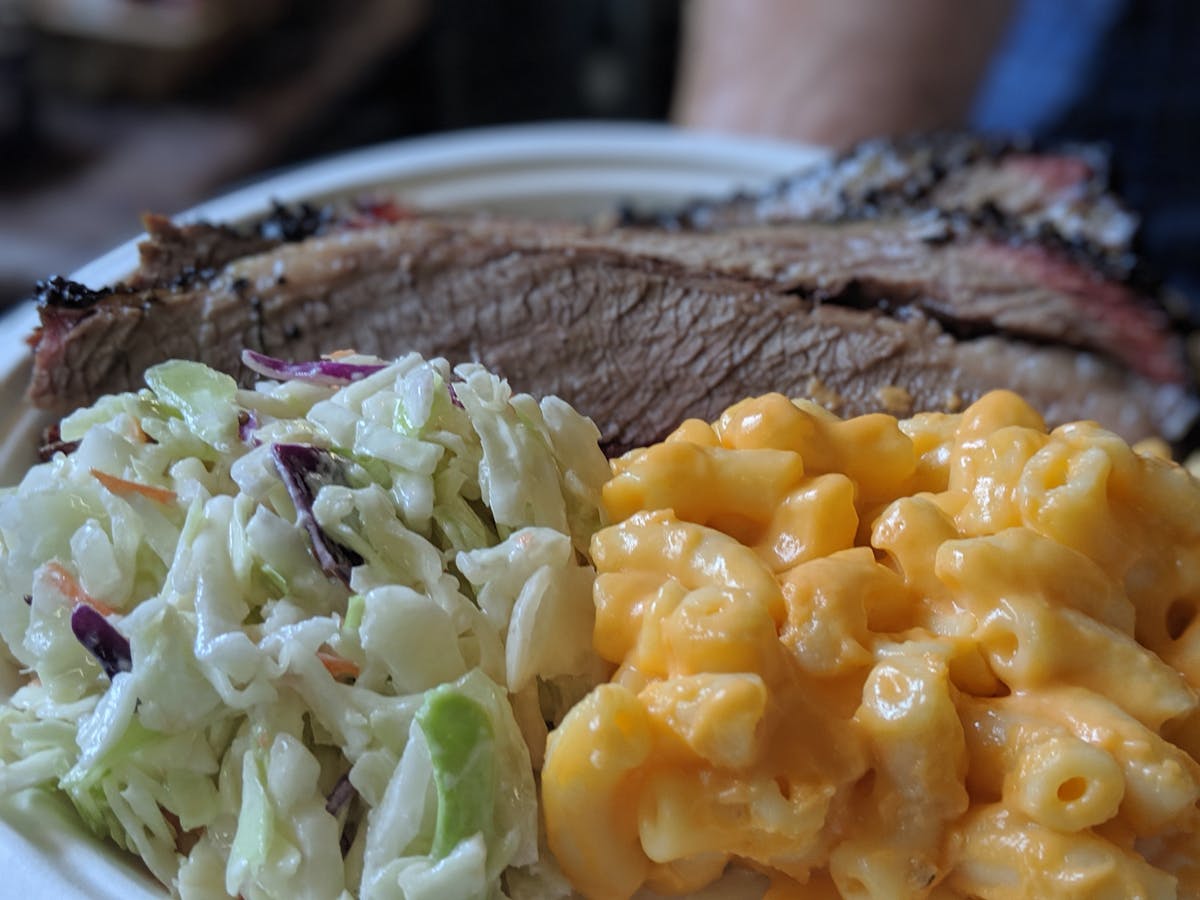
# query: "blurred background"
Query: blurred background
{"points": [[110, 108]]}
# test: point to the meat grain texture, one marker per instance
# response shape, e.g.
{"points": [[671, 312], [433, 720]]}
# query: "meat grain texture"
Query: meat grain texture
{"points": [[905, 276]]}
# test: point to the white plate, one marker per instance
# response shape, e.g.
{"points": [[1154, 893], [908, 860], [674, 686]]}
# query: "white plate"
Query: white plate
{"points": [[558, 170]]}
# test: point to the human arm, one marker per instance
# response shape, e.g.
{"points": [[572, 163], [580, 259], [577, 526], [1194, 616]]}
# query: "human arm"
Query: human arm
{"points": [[833, 72]]}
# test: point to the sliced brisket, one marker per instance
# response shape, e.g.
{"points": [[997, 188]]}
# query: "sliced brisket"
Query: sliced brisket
{"points": [[640, 327], [176, 256]]}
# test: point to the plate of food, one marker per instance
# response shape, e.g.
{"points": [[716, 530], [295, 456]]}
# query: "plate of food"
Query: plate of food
{"points": [[597, 511]]}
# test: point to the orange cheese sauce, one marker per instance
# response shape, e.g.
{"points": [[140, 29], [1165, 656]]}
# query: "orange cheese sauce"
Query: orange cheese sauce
{"points": [[949, 656]]}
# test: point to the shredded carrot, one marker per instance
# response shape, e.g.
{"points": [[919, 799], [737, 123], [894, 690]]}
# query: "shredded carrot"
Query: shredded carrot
{"points": [[73, 590], [339, 354], [122, 486], [139, 434], [337, 666]]}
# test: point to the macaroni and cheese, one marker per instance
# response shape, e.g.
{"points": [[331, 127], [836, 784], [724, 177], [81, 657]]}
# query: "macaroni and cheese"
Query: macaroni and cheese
{"points": [[950, 656]]}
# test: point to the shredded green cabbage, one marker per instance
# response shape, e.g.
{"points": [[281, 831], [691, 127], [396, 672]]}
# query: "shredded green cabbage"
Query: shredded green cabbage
{"points": [[259, 684]]}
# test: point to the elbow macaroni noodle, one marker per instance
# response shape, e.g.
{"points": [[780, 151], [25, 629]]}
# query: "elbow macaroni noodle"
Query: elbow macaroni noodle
{"points": [[950, 656]]}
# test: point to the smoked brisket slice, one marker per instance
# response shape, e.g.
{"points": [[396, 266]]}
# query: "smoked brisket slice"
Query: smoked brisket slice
{"points": [[641, 327], [974, 184], [176, 256], [179, 255]]}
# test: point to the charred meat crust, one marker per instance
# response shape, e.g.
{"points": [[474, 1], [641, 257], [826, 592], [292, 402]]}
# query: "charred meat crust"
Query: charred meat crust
{"points": [[174, 257], [289, 223], [1011, 190], [177, 256], [63, 293]]}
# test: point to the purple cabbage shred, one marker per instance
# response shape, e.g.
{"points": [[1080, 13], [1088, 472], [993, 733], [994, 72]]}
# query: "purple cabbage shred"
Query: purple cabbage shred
{"points": [[305, 470], [341, 794], [109, 647], [317, 371]]}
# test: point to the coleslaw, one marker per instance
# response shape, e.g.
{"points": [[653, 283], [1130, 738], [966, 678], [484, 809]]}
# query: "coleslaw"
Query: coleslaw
{"points": [[305, 640]]}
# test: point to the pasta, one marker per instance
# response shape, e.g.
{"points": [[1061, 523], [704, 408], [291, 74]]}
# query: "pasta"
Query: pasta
{"points": [[1008, 856], [951, 656]]}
